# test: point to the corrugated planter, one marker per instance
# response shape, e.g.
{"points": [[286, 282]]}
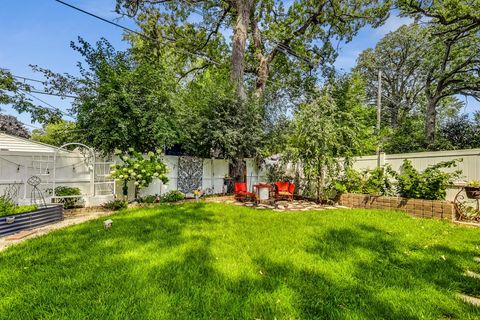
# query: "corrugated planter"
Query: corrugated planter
{"points": [[17, 222]]}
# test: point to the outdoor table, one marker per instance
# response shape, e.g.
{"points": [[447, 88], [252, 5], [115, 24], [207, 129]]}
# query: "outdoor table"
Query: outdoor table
{"points": [[262, 191]]}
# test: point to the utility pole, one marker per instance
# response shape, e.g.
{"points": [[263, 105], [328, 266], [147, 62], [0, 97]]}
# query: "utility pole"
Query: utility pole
{"points": [[379, 114]]}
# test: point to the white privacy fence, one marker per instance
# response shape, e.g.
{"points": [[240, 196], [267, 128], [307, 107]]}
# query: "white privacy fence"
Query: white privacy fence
{"points": [[213, 172], [470, 164]]}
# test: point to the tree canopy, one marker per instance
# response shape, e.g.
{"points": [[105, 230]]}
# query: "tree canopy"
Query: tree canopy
{"points": [[302, 33]]}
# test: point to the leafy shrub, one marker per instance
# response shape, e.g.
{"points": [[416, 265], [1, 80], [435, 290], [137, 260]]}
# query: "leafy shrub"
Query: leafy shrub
{"points": [[379, 181], [139, 169], [473, 183], [115, 205], [148, 199], [276, 172], [25, 208], [172, 196], [351, 181], [7, 207], [431, 184], [63, 191]]}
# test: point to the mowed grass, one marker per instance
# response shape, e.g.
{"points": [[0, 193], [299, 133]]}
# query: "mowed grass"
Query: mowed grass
{"points": [[215, 261]]}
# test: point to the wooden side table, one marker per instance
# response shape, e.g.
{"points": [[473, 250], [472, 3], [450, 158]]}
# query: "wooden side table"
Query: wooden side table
{"points": [[262, 191]]}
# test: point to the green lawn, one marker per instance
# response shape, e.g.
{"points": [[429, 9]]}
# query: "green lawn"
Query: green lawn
{"points": [[215, 261]]}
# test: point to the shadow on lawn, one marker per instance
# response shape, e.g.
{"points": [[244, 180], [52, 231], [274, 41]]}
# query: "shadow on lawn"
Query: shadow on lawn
{"points": [[159, 264], [86, 272], [401, 266]]}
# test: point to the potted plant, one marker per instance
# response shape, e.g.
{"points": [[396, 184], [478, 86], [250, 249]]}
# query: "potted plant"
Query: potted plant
{"points": [[472, 189], [197, 194]]}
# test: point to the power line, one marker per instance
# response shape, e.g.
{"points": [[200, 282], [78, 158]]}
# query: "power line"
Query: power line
{"points": [[29, 79], [152, 39], [40, 81], [135, 32], [52, 108], [103, 19], [282, 47], [54, 94]]}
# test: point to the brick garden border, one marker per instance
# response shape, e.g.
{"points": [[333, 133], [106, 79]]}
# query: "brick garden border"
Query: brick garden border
{"points": [[416, 207]]}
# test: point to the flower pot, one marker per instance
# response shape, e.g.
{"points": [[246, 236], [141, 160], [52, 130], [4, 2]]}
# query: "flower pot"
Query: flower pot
{"points": [[472, 192]]}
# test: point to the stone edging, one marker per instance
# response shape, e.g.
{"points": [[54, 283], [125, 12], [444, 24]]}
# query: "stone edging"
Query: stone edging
{"points": [[416, 207]]}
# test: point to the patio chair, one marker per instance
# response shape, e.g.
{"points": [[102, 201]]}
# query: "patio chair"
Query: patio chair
{"points": [[284, 190], [241, 193]]}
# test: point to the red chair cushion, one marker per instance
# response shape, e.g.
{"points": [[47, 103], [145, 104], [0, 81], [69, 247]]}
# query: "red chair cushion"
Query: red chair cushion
{"points": [[240, 187], [291, 188], [282, 186]]}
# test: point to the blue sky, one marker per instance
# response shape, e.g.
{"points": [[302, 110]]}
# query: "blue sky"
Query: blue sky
{"points": [[39, 32]]}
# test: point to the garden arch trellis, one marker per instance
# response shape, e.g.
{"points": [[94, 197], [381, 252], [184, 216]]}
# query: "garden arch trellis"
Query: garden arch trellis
{"points": [[92, 165], [92, 174]]}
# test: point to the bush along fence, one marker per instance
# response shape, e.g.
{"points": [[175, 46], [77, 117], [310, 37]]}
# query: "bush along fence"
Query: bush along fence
{"points": [[438, 209], [14, 223]]}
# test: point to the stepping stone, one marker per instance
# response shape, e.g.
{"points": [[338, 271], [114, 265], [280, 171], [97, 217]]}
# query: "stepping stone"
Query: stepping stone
{"points": [[476, 259], [260, 208], [304, 209], [318, 209], [330, 208], [472, 274], [281, 207], [239, 204], [343, 207], [278, 210], [469, 299], [249, 204], [21, 235]]}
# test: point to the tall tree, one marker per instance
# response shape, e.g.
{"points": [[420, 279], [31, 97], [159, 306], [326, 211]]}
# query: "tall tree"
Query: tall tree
{"points": [[16, 94], [119, 103], [454, 16], [420, 67], [214, 125], [452, 67], [399, 57], [11, 125], [262, 30], [453, 62]]}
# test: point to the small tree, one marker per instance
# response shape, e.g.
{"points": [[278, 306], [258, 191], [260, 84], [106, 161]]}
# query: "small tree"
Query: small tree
{"points": [[332, 126], [57, 134], [142, 170]]}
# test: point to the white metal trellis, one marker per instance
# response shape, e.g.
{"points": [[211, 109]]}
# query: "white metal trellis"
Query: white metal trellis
{"points": [[92, 173]]}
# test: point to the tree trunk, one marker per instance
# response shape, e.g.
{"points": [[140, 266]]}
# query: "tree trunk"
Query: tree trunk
{"points": [[240, 33], [262, 76], [431, 120], [394, 112]]}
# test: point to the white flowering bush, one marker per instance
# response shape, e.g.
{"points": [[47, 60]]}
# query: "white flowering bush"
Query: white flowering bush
{"points": [[142, 170]]}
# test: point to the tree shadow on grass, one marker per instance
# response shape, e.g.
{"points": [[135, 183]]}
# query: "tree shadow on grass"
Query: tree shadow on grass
{"points": [[386, 263], [87, 272], [158, 264]]}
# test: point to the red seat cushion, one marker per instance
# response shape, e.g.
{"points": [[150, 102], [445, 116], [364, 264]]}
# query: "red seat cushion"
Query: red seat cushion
{"points": [[240, 187]]}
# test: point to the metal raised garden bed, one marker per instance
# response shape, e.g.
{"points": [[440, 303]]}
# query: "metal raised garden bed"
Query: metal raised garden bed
{"points": [[17, 222]]}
